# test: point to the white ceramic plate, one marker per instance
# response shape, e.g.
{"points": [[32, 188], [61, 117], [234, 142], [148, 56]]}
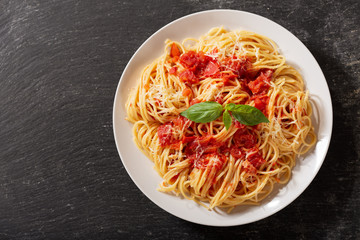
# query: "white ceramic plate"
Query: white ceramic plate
{"points": [[141, 169]]}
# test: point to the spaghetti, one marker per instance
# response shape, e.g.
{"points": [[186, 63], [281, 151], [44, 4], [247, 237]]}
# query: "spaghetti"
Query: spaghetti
{"points": [[206, 162]]}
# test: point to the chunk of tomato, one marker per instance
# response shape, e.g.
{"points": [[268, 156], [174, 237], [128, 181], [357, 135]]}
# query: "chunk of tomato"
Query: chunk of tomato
{"points": [[165, 134], [255, 158], [262, 83], [211, 69], [188, 76], [188, 59], [174, 52], [261, 102], [194, 101], [237, 153], [186, 92], [173, 70], [243, 139]]}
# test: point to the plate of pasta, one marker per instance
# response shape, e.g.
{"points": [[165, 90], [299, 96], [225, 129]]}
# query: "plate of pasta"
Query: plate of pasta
{"points": [[222, 117]]}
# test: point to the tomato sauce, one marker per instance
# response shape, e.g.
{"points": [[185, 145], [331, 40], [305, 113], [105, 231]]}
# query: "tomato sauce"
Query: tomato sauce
{"points": [[166, 132], [238, 66], [188, 76], [255, 158], [205, 151], [215, 160], [173, 70], [243, 138], [262, 83], [237, 153], [194, 101], [261, 102], [197, 65], [219, 99]]}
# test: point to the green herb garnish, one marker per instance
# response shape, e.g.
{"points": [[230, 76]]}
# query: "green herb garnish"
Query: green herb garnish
{"points": [[205, 112]]}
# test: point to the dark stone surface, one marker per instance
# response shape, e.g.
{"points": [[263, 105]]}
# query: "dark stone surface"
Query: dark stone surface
{"points": [[60, 174]]}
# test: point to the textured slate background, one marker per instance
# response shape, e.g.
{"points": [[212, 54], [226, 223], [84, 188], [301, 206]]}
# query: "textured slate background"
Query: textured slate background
{"points": [[60, 174]]}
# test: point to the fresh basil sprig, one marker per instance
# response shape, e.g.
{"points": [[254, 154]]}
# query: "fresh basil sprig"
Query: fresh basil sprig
{"points": [[227, 119], [205, 112], [246, 114]]}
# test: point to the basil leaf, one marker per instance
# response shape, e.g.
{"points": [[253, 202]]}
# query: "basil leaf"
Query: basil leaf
{"points": [[227, 119], [230, 106], [203, 112], [247, 115]]}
